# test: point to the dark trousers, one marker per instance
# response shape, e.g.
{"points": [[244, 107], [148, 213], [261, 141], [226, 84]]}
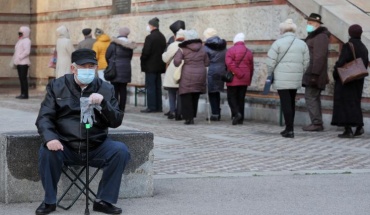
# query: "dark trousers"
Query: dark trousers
{"points": [[112, 156], [235, 98], [313, 102], [120, 92], [189, 105], [22, 74], [153, 84], [174, 100], [214, 101], [287, 102]]}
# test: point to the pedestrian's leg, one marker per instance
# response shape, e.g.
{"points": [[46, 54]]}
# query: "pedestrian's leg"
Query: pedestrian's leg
{"points": [[293, 94], [113, 156], [187, 106], [286, 107], [172, 99], [232, 100], [122, 96], [195, 98], [150, 91], [159, 92], [23, 79], [241, 100], [313, 103]]}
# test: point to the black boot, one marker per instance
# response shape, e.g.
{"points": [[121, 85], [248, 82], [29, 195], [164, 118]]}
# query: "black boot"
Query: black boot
{"points": [[359, 131], [288, 134], [171, 115], [189, 122], [348, 133], [237, 118]]}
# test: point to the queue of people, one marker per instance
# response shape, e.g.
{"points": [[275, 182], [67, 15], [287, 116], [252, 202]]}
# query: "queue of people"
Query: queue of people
{"points": [[293, 62]]}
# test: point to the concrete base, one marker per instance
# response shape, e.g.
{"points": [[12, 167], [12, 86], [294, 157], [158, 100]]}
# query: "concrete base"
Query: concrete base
{"points": [[20, 182]]}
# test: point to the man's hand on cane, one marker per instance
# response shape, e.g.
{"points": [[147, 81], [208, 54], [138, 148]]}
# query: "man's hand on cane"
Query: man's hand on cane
{"points": [[95, 98]]}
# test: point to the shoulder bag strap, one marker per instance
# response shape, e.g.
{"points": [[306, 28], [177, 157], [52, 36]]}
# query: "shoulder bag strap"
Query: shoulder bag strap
{"points": [[283, 55], [353, 50], [243, 57]]}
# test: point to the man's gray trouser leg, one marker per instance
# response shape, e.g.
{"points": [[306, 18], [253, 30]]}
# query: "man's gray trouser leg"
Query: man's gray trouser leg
{"points": [[313, 104]]}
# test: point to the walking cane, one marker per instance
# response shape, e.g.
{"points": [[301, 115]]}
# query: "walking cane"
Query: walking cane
{"points": [[87, 126], [207, 98]]}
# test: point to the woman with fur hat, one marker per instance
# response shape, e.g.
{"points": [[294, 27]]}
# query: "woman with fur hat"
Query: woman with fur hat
{"points": [[168, 82], [347, 110], [121, 49], [21, 59], [216, 50], [288, 59], [239, 60], [193, 74]]}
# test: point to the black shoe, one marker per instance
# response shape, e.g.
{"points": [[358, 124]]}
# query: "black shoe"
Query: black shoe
{"points": [[45, 208], [106, 207], [359, 131], [147, 111], [348, 133], [288, 134], [22, 97], [237, 118], [171, 116], [189, 122], [168, 113], [283, 132], [178, 117]]}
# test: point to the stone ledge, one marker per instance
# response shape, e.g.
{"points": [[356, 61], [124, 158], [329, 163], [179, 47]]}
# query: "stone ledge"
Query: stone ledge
{"points": [[19, 177]]}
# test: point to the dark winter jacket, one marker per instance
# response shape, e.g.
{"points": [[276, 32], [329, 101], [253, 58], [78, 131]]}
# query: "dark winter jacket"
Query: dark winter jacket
{"points": [[316, 74], [151, 56], [59, 116], [347, 98], [193, 75], [239, 60], [216, 50], [122, 50]]}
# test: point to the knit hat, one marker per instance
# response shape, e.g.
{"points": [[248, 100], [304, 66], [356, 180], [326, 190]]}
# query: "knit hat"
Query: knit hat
{"points": [[154, 22], [180, 34], [191, 35], [86, 31], [355, 31], [209, 32], [125, 31], [239, 38], [288, 25], [98, 32]]}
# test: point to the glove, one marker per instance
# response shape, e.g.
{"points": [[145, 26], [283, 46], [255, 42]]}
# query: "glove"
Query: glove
{"points": [[87, 110]]}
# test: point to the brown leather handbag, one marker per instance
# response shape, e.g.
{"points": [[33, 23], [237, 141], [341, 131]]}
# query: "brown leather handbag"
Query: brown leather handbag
{"points": [[353, 70]]}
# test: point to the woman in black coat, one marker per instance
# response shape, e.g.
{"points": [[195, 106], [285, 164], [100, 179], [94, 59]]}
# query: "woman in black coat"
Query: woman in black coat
{"points": [[121, 49], [347, 110]]}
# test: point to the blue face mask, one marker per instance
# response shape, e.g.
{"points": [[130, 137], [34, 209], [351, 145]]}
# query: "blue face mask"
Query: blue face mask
{"points": [[85, 76], [310, 28]]}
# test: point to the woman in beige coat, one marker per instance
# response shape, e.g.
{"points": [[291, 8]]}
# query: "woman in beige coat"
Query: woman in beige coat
{"points": [[169, 83], [64, 49]]}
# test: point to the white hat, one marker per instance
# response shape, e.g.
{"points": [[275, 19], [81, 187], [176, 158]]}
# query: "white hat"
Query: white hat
{"points": [[191, 35], [240, 37], [180, 33], [288, 25], [209, 32]]}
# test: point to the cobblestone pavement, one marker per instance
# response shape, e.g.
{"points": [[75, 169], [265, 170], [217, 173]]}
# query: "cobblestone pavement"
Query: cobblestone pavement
{"points": [[220, 149]]}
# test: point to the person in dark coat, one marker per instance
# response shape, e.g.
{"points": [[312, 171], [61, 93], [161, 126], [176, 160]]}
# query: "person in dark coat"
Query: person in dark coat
{"points": [[64, 137], [216, 50], [347, 110], [175, 27], [153, 66], [316, 76], [193, 74], [121, 50], [239, 60]]}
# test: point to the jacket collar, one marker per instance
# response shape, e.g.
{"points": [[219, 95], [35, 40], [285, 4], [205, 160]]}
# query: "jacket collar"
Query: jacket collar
{"points": [[318, 31]]}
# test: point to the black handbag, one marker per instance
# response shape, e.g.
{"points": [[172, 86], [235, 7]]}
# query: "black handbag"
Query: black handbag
{"points": [[229, 76], [110, 72]]}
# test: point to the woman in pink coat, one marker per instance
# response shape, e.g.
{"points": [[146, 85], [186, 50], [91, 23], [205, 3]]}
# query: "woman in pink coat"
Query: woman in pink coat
{"points": [[21, 59], [239, 60]]}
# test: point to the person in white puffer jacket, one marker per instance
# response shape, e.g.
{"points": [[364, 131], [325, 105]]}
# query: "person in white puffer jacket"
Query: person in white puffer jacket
{"points": [[288, 59]]}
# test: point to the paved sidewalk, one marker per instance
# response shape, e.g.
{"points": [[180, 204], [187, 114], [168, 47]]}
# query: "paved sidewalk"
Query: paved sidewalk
{"points": [[218, 168]]}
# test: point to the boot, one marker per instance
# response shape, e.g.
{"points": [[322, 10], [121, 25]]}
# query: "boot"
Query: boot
{"points": [[359, 131], [237, 118], [171, 115], [189, 122], [348, 133], [288, 134]]}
